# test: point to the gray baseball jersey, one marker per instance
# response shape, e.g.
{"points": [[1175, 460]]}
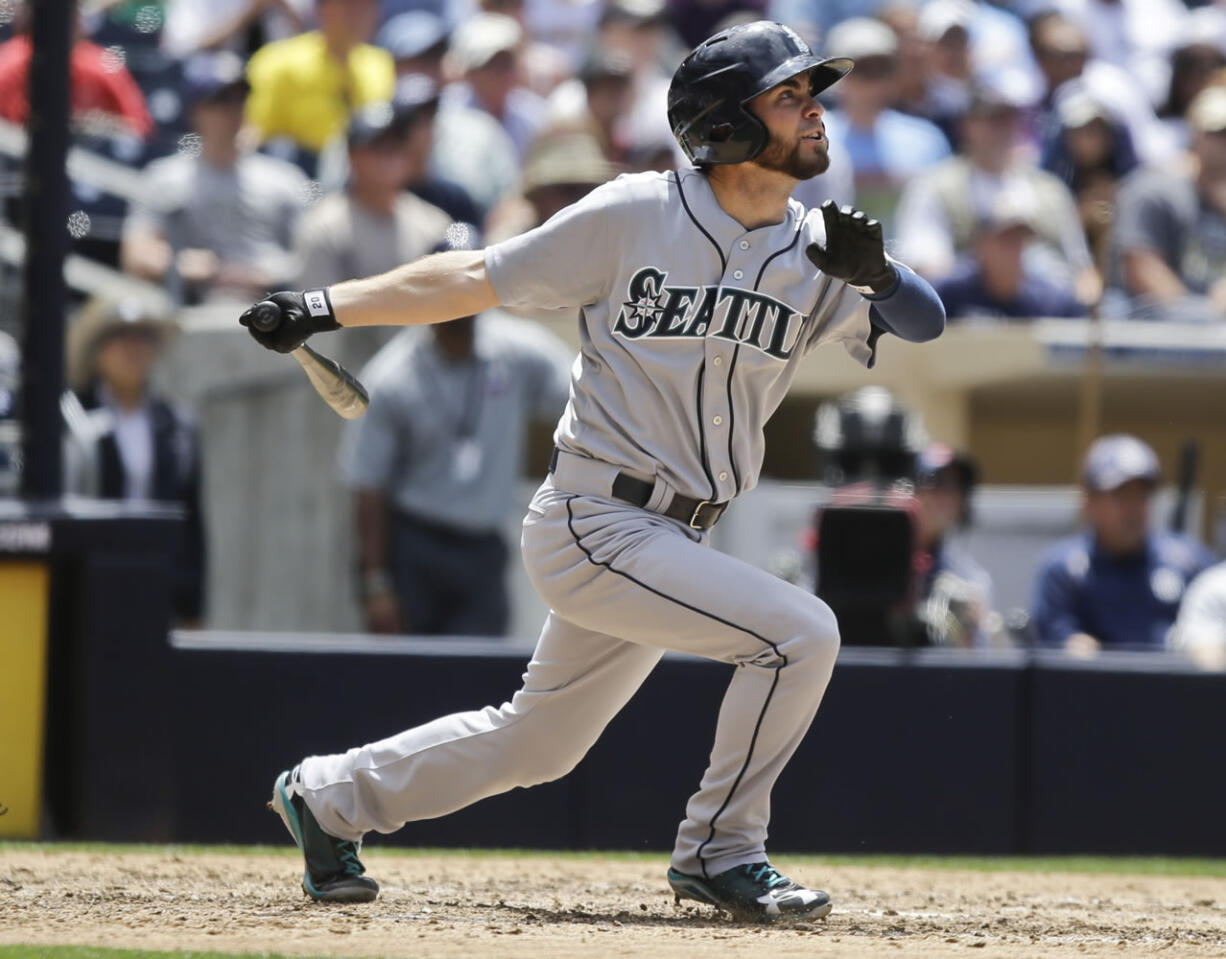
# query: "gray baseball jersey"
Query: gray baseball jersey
{"points": [[692, 328]]}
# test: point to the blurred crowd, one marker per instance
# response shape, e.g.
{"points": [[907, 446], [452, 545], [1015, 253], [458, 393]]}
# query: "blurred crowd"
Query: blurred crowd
{"points": [[1033, 158]]}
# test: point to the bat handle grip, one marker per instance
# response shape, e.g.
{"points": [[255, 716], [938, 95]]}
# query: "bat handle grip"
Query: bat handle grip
{"points": [[265, 316]]}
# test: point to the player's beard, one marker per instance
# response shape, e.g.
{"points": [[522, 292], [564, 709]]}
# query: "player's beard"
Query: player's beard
{"points": [[790, 160]]}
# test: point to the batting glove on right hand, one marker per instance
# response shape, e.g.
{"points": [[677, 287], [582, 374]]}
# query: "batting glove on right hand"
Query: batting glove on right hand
{"points": [[284, 321], [855, 250]]}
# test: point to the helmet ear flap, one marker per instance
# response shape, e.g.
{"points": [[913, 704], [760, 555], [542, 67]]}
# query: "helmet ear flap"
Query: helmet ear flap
{"points": [[721, 132]]}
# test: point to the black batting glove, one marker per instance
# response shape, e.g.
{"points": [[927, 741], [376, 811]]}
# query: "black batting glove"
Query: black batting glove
{"points": [[855, 251], [283, 321]]}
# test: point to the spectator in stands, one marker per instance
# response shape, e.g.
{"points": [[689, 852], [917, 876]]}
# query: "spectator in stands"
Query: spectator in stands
{"points": [[955, 592], [944, 28], [993, 281], [105, 98], [123, 441], [1118, 584], [1170, 239], [600, 97], [470, 148], [548, 55], [434, 464], [372, 226], [887, 147], [1135, 36], [562, 167], [1091, 153], [484, 58], [217, 224], [1196, 62], [639, 29], [303, 89], [1062, 53], [416, 106], [912, 60], [1200, 629], [417, 41], [939, 209], [195, 25]]}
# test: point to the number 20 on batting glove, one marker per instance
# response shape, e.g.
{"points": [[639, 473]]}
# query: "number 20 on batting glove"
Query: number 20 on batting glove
{"points": [[284, 321]]}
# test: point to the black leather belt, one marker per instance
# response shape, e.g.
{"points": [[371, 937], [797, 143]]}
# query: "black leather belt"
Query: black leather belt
{"points": [[695, 513]]}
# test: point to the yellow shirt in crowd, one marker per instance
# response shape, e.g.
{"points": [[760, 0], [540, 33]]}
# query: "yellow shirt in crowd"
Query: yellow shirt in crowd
{"points": [[298, 90]]}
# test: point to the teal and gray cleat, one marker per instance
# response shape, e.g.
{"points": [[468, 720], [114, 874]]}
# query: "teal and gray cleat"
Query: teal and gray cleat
{"points": [[755, 891], [333, 871]]}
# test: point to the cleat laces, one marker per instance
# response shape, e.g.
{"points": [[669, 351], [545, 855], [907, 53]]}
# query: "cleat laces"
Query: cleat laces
{"points": [[347, 854], [767, 875]]}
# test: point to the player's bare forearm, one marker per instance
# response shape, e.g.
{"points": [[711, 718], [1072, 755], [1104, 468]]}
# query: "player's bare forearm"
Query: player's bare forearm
{"points": [[434, 289]]}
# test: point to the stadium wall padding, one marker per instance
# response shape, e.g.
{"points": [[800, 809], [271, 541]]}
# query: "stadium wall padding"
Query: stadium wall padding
{"points": [[912, 752]]}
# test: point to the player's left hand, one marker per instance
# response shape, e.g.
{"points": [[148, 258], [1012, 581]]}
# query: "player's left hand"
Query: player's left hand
{"points": [[283, 321], [854, 251]]}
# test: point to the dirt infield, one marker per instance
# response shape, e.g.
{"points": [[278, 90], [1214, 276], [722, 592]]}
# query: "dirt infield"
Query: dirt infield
{"points": [[504, 907]]}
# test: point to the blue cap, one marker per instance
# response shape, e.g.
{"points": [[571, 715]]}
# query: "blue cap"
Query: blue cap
{"points": [[409, 35], [1115, 460], [207, 74]]}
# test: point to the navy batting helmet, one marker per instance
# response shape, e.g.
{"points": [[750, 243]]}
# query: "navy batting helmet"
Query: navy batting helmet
{"points": [[707, 97]]}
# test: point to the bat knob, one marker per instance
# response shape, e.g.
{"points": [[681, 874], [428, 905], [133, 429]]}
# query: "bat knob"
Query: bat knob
{"points": [[265, 316]]}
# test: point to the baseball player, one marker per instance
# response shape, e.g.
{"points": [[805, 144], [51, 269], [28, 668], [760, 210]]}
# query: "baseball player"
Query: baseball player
{"points": [[699, 292]]}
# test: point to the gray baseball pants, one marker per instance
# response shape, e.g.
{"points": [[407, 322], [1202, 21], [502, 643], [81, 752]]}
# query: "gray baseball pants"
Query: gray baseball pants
{"points": [[624, 585]]}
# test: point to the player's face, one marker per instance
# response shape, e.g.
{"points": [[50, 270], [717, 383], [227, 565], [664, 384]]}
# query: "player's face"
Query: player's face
{"points": [[793, 118]]}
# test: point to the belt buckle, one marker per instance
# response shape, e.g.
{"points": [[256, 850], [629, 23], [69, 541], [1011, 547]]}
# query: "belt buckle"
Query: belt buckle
{"points": [[698, 509]]}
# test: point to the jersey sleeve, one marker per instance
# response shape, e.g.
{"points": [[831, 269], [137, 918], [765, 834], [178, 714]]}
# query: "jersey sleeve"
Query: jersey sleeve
{"points": [[564, 261]]}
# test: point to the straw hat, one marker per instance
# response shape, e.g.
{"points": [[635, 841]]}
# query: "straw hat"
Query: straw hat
{"points": [[100, 319]]}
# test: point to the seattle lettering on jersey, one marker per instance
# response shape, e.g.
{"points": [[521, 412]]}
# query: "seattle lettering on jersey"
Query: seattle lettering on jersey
{"points": [[653, 309]]}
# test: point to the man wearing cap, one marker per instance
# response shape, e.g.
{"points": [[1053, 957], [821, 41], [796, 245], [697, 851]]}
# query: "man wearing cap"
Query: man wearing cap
{"points": [[123, 441], [434, 463], [887, 147], [993, 282], [305, 87], [218, 223], [417, 42], [373, 225], [416, 106], [1118, 584], [600, 97], [1170, 235], [484, 59], [939, 212], [562, 167]]}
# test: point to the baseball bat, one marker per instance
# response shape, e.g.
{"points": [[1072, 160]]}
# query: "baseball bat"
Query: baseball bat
{"points": [[1189, 460], [337, 387]]}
